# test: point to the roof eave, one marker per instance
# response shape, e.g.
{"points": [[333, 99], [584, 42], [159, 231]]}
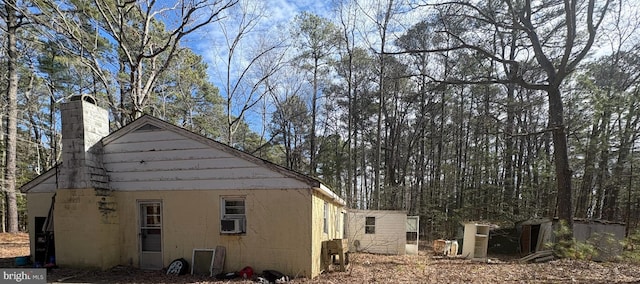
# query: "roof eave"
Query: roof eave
{"points": [[39, 179], [330, 194]]}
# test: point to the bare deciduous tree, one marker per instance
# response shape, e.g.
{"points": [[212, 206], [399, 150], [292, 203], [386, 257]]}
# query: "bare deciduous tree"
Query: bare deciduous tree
{"points": [[247, 60], [146, 37], [558, 34], [13, 20]]}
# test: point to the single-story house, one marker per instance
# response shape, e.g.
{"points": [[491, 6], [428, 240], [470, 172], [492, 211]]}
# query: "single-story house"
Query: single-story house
{"points": [[378, 231], [152, 192]]}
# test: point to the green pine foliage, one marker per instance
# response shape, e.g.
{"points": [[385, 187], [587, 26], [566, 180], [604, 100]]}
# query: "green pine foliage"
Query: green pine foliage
{"points": [[566, 246], [631, 251]]}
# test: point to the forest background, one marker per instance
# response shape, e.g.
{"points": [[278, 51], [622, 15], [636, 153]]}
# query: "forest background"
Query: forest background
{"points": [[496, 111]]}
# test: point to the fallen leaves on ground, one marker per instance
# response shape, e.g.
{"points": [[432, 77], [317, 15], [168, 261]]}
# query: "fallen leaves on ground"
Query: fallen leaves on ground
{"points": [[423, 268]]}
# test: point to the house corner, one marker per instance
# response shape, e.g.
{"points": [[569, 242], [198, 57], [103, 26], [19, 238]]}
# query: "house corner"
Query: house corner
{"points": [[86, 229]]}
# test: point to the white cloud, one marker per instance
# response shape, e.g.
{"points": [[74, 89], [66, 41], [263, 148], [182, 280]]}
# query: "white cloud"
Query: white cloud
{"points": [[282, 10]]}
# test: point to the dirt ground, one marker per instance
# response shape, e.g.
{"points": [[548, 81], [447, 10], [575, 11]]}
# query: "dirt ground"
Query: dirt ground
{"points": [[369, 268]]}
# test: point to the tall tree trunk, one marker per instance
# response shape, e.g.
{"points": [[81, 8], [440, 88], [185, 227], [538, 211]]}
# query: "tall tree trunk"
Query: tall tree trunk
{"points": [[381, 104], [612, 210], [583, 201], [314, 115], [628, 213], [561, 156], [53, 141], [602, 169], [509, 175], [508, 196], [3, 199], [350, 135], [357, 194], [378, 150], [421, 171], [601, 179], [550, 195], [12, 115]]}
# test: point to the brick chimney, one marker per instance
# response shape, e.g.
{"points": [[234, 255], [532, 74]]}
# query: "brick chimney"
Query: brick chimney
{"points": [[83, 126]]}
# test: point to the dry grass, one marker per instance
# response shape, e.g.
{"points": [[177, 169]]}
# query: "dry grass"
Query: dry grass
{"points": [[12, 245], [370, 268]]}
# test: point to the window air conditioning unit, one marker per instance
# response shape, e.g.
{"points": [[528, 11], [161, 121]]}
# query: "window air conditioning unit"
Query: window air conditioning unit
{"points": [[231, 226]]}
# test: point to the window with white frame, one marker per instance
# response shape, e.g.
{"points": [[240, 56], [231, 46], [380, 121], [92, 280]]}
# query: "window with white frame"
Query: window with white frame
{"points": [[232, 215]]}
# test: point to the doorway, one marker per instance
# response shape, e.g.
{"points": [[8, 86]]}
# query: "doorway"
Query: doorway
{"points": [[150, 234], [530, 238]]}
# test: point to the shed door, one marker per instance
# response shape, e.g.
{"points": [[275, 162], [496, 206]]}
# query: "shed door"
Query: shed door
{"points": [[150, 235], [525, 240]]}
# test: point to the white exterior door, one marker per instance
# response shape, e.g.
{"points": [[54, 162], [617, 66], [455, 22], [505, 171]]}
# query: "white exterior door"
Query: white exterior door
{"points": [[150, 234]]}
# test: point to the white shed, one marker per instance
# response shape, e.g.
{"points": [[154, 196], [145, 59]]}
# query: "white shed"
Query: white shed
{"points": [[377, 231]]}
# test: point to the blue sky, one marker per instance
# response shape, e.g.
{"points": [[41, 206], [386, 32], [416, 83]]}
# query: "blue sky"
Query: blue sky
{"points": [[288, 8], [209, 42], [275, 18], [278, 12]]}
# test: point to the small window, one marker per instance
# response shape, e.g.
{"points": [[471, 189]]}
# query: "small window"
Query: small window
{"points": [[370, 225], [232, 215], [325, 227]]}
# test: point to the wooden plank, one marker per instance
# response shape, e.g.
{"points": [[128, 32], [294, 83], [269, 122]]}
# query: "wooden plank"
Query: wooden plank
{"points": [[544, 259], [186, 175], [209, 184], [145, 136], [337, 247], [154, 146], [536, 255], [144, 164], [525, 239], [527, 257], [218, 260], [165, 155]]}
